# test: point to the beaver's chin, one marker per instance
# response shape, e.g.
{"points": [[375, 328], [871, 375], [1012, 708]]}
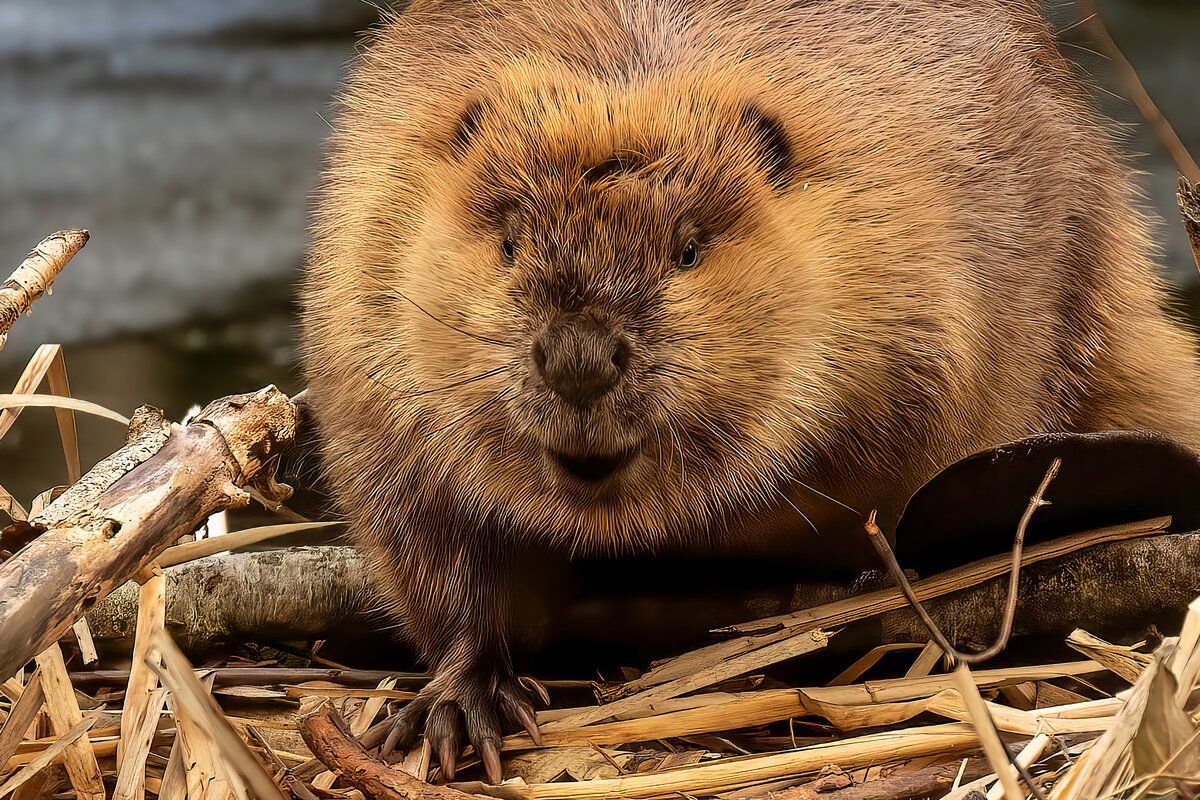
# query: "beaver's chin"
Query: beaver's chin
{"points": [[591, 472]]}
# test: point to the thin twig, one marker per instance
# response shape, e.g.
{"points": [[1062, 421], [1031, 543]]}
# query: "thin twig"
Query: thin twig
{"points": [[985, 725], [1137, 93], [879, 541]]}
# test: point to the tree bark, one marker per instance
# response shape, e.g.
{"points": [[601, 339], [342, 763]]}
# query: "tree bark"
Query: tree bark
{"points": [[116, 520], [1115, 588], [282, 595], [1189, 208]]}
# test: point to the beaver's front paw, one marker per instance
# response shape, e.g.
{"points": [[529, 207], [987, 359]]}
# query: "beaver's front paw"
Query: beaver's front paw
{"points": [[468, 705]]}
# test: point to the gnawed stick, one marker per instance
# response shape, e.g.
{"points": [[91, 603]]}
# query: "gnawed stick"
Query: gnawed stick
{"points": [[116, 520], [326, 735], [927, 782], [35, 275]]}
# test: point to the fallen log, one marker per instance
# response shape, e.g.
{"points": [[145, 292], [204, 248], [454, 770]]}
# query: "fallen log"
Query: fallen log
{"points": [[307, 593], [1120, 587], [116, 520], [299, 593]]}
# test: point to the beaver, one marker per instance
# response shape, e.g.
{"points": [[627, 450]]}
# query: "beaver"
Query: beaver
{"points": [[619, 276]]}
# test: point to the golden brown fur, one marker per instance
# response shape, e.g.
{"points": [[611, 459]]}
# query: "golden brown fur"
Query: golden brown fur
{"points": [[917, 243]]}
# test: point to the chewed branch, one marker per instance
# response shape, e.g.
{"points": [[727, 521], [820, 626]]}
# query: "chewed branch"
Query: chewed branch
{"points": [[35, 275]]}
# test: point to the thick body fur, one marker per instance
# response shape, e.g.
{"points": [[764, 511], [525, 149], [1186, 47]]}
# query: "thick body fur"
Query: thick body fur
{"points": [[904, 236]]}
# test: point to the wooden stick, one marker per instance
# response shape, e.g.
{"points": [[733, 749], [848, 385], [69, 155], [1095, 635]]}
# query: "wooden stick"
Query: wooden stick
{"points": [[140, 703], [135, 748], [276, 676], [78, 757], [326, 735], [152, 492], [923, 783], [729, 774], [22, 715], [35, 275], [48, 756]]}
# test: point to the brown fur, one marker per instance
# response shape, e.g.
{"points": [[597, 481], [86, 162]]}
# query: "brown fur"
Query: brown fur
{"points": [[917, 242]]}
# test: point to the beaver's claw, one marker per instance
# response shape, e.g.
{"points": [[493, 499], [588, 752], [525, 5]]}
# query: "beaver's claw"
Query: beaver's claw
{"points": [[464, 706]]}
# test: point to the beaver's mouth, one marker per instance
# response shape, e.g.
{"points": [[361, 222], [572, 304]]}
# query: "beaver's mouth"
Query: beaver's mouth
{"points": [[592, 467]]}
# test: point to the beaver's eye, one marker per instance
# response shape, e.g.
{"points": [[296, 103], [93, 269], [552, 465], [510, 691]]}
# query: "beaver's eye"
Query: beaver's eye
{"points": [[508, 249], [690, 256]]}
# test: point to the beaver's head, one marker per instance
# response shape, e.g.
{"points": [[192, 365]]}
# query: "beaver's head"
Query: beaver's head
{"points": [[598, 310], [613, 308]]}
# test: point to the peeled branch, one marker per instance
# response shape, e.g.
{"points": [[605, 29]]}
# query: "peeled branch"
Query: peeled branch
{"points": [[33, 278], [326, 735]]}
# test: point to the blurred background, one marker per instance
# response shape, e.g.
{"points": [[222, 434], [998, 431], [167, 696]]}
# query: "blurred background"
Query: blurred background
{"points": [[187, 136]]}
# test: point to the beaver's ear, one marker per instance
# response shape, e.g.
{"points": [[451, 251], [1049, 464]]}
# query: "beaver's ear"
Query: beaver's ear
{"points": [[774, 147], [466, 127]]}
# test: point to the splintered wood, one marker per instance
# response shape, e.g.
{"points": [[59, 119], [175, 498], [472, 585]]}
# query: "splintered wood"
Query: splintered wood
{"points": [[133, 505]]}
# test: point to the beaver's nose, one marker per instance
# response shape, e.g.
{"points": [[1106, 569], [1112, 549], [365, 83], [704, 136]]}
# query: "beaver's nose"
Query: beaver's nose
{"points": [[580, 359]]}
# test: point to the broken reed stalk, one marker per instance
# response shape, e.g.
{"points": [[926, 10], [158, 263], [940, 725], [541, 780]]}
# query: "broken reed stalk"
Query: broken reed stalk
{"points": [[131, 506], [35, 275], [1137, 93]]}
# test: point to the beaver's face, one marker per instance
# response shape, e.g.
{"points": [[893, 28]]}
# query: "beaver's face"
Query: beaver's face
{"points": [[625, 282]]}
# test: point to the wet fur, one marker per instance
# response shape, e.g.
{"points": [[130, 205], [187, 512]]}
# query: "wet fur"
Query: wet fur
{"points": [[918, 243]]}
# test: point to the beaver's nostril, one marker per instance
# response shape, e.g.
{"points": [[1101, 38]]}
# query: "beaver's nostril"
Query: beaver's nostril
{"points": [[620, 356], [539, 356], [580, 359]]}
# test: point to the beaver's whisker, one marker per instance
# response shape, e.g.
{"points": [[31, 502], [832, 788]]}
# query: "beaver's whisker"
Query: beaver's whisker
{"points": [[455, 385], [476, 410], [440, 321], [795, 508], [819, 493]]}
